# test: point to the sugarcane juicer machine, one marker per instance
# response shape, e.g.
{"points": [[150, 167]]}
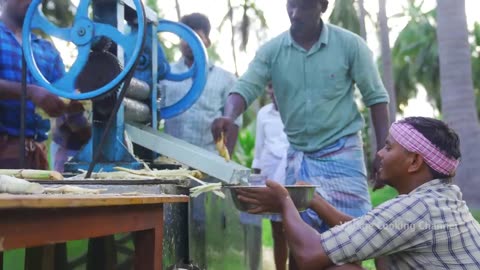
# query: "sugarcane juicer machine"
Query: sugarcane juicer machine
{"points": [[118, 64]]}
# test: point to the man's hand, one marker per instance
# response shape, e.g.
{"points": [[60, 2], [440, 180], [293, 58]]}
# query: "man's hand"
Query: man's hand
{"points": [[377, 182], [219, 125], [74, 106], [268, 199], [50, 103]]}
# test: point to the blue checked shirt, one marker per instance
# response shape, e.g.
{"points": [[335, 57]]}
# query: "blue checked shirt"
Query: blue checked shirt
{"points": [[429, 228], [194, 125], [51, 66]]}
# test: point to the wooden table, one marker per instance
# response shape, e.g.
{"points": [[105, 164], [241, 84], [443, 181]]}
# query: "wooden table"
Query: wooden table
{"points": [[36, 220]]}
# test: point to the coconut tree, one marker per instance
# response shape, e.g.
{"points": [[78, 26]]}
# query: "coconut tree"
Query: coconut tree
{"points": [[415, 57], [178, 10], [248, 15], [387, 68], [458, 101], [362, 14], [345, 15]]}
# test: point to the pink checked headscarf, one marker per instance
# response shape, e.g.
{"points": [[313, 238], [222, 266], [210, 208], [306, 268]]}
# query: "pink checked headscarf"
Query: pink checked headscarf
{"points": [[413, 141]]}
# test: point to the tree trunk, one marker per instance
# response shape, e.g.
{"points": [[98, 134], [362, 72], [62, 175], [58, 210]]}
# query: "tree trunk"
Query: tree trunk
{"points": [[371, 129], [458, 100], [387, 68], [178, 10], [361, 19], [232, 41]]}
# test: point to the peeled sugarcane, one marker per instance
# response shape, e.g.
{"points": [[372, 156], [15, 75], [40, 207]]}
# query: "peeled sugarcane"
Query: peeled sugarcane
{"points": [[162, 174], [222, 148], [210, 187], [110, 176], [32, 174], [68, 189], [12, 185], [183, 173]]}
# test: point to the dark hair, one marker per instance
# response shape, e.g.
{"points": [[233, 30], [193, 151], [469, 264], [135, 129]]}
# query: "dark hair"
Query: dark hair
{"points": [[438, 133], [197, 21], [324, 5]]}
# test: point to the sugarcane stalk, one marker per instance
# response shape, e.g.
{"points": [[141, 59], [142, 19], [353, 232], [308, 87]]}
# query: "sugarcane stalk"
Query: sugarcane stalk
{"points": [[222, 148], [13, 185], [32, 174], [195, 191]]}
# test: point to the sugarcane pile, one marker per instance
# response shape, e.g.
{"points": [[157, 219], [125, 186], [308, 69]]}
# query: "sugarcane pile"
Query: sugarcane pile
{"points": [[15, 181]]}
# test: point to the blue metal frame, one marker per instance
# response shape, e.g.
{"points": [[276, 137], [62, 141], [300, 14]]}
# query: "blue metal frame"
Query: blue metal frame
{"points": [[82, 33], [198, 71]]}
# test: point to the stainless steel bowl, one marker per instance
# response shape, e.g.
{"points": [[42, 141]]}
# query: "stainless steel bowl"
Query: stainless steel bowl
{"points": [[301, 196]]}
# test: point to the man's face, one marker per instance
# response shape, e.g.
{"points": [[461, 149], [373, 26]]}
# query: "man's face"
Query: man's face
{"points": [[185, 49], [16, 9], [393, 162], [304, 14]]}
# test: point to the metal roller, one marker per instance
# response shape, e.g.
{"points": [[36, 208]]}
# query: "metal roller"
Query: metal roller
{"points": [[136, 111], [138, 90]]}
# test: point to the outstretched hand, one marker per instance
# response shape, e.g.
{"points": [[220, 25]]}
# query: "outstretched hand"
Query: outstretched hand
{"points": [[267, 199], [50, 103]]}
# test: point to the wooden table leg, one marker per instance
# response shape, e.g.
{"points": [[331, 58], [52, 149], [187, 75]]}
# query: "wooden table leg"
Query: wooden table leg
{"points": [[148, 248], [40, 258], [102, 254], [61, 260]]}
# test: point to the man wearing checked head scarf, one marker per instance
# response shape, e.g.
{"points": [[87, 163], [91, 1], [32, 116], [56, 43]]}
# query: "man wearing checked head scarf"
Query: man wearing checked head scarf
{"points": [[427, 226]]}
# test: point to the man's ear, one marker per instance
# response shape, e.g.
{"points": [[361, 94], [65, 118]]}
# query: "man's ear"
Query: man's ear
{"points": [[416, 162], [208, 43]]}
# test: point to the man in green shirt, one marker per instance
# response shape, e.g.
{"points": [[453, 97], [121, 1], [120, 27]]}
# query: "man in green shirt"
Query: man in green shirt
{"points": [[313, 68]]}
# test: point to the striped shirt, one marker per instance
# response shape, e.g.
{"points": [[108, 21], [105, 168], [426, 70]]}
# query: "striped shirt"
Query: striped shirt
{"points": [[50, 65], [194, 125], [429, 228]]}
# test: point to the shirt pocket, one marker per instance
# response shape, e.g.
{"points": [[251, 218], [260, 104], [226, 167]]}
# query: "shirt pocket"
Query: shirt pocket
{"points": [[335, 82]]}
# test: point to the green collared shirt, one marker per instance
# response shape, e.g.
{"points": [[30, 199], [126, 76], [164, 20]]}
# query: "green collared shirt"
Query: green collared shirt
{"points": [[315, 89]]}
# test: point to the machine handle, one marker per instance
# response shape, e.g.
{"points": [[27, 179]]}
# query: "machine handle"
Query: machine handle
{"points": [[82, 33], [198, 71]]}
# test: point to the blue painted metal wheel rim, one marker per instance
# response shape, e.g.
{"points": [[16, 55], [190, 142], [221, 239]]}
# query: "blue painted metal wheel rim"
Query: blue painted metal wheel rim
{"points": [[198, 71], [82, 33]]}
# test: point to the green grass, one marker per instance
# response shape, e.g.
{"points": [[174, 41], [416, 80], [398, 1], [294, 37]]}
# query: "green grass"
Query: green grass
{"points": [[380, 196]]}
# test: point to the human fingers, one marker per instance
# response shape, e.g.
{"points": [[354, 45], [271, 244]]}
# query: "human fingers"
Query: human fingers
{"points": [[248, 200], [257, 210], [250, 193], [217, 129], [302, 183], [276, 187]]}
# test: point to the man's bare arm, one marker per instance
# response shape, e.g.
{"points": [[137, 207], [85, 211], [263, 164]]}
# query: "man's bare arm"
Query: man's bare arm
{"points": [[380, 119], [327, 212], [381, 122], [234, 106], [303, 240], [50, 103], [232, 135]]}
